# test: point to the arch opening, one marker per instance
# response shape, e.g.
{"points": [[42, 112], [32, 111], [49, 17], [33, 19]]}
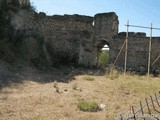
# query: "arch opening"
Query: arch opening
{"points": [[102, 53]]}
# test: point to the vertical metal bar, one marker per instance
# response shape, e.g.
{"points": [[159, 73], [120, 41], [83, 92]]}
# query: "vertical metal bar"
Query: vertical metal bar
{"points": [[133, 113], [153, 103], [126, 50], [157, 100], [121, 117], [149, 53], [142, 110], [154, 108], [148, 106]]}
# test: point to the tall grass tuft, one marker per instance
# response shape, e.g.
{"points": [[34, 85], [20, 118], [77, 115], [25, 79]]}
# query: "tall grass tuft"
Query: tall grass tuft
{"points": [[112, 73]]}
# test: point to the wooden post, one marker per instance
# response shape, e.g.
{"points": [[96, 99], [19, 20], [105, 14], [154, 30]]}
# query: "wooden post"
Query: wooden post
{"points": [[149, 52], [126, 50]]}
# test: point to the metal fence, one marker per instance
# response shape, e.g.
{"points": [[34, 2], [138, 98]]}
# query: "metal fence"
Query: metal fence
{"points": [[148, 110]]}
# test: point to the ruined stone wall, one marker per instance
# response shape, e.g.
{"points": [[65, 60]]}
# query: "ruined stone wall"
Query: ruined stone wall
{"points": [[155, 53], [138, 45], [105, 28], [75, 37], [67, 39], [36, 39]]}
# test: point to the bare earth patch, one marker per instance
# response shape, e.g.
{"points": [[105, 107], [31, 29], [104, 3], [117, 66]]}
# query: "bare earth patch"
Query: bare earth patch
{"points": [[32, 100]]}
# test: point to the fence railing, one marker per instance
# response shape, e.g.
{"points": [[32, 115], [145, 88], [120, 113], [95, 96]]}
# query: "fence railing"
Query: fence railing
{"points": [[149, 110]]}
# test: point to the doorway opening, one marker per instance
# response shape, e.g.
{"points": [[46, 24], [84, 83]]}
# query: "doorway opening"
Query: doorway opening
{"points": [[102, 53]]}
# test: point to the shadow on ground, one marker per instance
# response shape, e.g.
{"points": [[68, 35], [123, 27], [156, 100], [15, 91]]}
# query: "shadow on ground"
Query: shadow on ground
{"points": [[10, 76]]}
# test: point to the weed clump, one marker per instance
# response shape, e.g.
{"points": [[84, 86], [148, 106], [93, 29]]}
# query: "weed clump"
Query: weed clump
{"points": [[88, 78], [112, 73], [103, 58], [88, 106], [75, 86]]}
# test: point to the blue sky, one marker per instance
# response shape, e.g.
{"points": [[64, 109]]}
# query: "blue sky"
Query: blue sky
{"points": [[138, 12]]}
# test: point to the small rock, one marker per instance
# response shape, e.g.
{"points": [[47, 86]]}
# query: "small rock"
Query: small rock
{"points": [[102, 106]]}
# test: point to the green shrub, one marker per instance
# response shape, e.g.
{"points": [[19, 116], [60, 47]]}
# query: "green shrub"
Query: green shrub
{"points": [[88, 106], [103, 58], [88, 78]]}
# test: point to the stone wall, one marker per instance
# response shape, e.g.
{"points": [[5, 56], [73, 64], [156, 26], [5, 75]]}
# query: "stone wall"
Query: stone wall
{"points": [[138, 45], [68, 38], [74, 37], [56, 40], [155, 53], [105, 29], [37, 39], [106, 26]]}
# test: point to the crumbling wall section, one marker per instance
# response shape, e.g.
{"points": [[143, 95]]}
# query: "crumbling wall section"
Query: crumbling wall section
{"points": [[59, 39], [55, 40], [138, 45], [155, 53], [105, 28], [68, 39], [38, 39]]}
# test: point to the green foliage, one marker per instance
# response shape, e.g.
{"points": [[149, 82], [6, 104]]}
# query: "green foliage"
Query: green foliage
{"points": [[88, 78], [103, 58], [88, 106]]}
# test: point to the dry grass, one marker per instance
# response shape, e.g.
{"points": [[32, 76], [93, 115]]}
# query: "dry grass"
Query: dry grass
{"points": [[35, 101]]}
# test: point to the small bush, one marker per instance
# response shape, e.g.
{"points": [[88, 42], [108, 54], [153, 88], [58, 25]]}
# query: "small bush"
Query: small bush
{"points": [[88, 78], [103, 58], [112, 73], [88, 106]]}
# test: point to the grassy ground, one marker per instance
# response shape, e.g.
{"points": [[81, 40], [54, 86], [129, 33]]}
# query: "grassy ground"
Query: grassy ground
{"points": [[41, 101]]}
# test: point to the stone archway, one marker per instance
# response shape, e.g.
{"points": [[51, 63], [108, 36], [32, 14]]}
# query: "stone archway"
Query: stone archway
{"points": [[99, 50]]}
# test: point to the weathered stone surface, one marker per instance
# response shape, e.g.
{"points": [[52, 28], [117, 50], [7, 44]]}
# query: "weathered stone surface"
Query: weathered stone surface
{"points": [[106, 26], [38, 39], [105, 29], [68, 39], [138, 45]]}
